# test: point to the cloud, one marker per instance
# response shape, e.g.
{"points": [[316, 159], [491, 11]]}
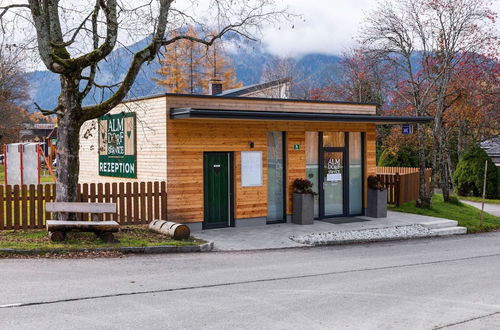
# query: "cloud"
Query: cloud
{"points": [[328, 27]]}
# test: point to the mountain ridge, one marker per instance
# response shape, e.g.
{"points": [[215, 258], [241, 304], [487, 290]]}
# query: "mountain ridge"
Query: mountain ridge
{"points": [[248, 63]]}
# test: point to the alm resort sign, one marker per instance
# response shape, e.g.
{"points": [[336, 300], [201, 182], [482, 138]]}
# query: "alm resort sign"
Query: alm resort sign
{"points": [[117, 145]]}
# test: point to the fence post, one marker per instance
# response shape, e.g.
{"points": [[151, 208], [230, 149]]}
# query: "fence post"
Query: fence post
{"points": [[1, 208], [397, 189]]}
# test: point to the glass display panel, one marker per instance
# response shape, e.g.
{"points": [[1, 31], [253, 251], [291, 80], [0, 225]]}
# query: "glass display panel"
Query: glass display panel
{"points": [[355, 174], [275, 177], [312, 166]]}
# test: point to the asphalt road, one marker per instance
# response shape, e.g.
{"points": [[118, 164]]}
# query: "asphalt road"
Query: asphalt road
{"points": [[452, 283], [490, 208]]}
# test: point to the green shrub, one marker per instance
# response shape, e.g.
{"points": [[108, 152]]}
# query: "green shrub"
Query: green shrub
{"points": [[406, 156], [469, 175], [498, 182], [454, 200]]}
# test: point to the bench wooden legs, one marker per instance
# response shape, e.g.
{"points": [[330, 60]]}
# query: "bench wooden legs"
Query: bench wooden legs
{"points": [[57, 236], [106, 236]]}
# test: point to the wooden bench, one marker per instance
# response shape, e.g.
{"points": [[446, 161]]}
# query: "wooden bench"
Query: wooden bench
{"points": [[104, 229]]}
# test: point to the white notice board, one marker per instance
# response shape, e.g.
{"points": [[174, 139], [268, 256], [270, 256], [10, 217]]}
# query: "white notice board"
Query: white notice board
{"points": [[251, 168]]}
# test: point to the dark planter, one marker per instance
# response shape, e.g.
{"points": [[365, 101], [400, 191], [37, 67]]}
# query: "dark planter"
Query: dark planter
{"points": [[377, 203], [303, 209]]}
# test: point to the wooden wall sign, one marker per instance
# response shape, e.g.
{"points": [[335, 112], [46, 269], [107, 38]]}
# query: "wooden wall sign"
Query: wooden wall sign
{"points": [[117, 145]]}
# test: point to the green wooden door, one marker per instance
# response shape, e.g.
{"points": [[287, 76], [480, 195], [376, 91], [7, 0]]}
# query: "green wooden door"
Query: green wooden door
{"points": [[217, 189]]}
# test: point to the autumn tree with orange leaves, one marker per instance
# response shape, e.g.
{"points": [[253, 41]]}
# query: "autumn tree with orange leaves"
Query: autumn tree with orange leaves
{"points": [[187, 66]]}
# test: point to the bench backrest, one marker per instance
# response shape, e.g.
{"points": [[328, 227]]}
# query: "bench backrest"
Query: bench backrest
{"points": [[76, 207]]}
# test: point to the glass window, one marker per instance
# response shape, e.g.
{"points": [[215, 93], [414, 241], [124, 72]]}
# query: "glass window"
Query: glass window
{"points": [[275, 177], [312, 165], [333, 139], [355, 173]]}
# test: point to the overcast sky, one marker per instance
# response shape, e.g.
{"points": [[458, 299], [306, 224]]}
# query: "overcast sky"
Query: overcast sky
{"points": [[330, 27], [325, 26]]}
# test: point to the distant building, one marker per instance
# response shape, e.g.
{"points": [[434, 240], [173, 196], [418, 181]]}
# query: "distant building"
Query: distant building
{"points": [[276, 89], [44, 133], [35, 132], [492, 148]]}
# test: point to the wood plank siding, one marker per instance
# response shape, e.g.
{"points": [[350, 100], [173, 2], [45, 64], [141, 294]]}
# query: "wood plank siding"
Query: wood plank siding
{"points": [[189, 138], [175, 101], [172, 150]]}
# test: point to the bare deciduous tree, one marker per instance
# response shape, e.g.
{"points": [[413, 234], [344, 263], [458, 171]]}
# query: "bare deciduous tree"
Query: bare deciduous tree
{"points": [[301, 82], [73, 38], [425, 40], [389, 35], [12, 94]]}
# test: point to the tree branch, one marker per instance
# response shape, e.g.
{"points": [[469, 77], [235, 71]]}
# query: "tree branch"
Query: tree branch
{"points": [[5, 9], [146, 54], [109, 8], [56, 111]]}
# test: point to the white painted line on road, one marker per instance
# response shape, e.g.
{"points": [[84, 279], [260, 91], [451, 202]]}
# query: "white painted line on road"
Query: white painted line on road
{"points": [[216, 285], [11, 305]]}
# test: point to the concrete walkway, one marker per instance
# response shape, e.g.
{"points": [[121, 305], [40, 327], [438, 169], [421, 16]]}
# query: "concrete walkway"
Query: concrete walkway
{"points": [[277, 236], [493, 209]]}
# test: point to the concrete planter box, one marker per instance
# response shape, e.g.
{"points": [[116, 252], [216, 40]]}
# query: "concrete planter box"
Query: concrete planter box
{"points": [[303, 209], [377, 203]]}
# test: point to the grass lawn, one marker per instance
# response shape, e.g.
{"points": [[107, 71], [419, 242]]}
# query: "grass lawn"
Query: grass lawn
{"points": [[466, 215], [37, 239], [479, 200]]}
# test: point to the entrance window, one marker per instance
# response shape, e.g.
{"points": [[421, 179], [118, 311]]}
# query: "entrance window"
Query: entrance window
{"points": [[312, 166], [333, 139], [333, 185], [355, 174]]}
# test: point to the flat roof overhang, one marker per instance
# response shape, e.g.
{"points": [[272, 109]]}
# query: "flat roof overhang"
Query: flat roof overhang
{"points": [[191, 113]]}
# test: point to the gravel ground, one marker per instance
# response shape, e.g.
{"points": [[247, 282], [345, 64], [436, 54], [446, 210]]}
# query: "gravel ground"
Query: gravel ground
{"points": [[364, 235]]}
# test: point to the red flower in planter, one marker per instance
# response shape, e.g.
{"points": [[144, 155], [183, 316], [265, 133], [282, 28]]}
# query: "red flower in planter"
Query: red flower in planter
{"points": [[303, 186], [375, 183]]}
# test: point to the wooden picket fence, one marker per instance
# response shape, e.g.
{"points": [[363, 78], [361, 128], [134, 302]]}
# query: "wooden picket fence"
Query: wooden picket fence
{"points": [[402, 183], [23, 207]]}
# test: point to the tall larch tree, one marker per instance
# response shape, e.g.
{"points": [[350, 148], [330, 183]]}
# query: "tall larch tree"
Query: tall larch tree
{"points": [[219, 66], [173, 66], [193, 65]]}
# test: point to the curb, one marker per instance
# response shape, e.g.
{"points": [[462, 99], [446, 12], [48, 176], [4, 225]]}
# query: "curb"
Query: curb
{"points": [[365, 241], [206, 247]]}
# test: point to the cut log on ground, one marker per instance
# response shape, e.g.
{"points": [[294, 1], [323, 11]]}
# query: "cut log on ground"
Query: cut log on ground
{"points": [[174, 230]]}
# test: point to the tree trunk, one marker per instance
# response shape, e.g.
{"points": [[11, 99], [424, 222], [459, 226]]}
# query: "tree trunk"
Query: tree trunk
{"points": [[451, 168], [424, 200], [68, 145], [443, 168], [460, 144]]}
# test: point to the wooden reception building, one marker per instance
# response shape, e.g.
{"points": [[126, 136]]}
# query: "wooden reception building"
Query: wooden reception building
{"points": [[230, 160]]}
